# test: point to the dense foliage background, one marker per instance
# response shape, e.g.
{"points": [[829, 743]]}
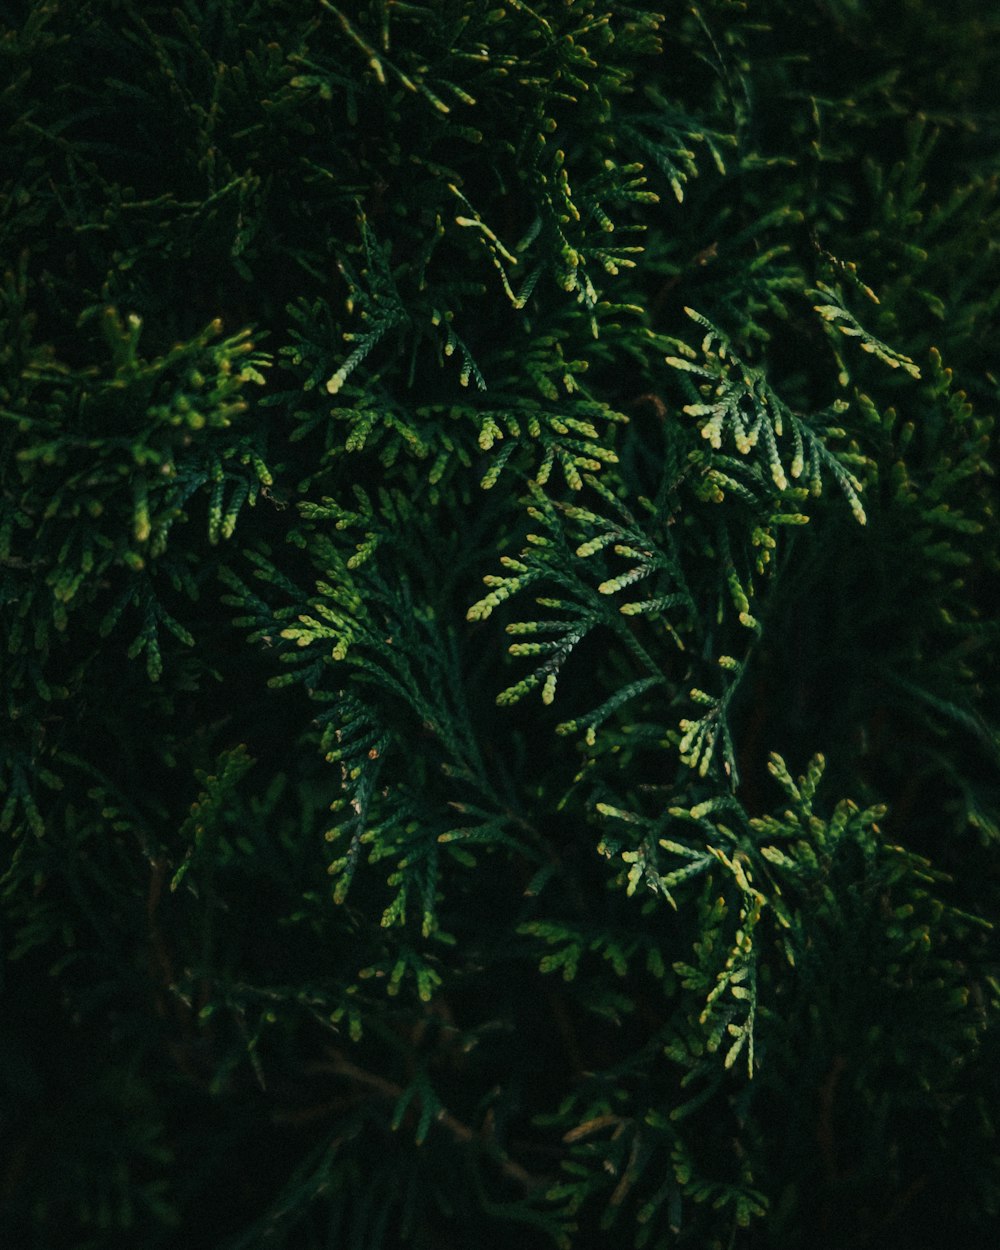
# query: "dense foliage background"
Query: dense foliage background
{"points": [[642, 895]]}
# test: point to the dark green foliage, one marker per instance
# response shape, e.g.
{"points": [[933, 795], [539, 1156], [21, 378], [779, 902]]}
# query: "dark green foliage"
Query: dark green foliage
{"points": [[498, 555]]}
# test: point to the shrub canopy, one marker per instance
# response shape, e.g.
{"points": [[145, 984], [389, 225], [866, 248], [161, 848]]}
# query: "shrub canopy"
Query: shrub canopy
{"points": [[497, 544]]}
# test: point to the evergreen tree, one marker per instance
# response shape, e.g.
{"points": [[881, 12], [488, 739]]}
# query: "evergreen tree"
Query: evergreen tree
{"points": [[497, 545]]}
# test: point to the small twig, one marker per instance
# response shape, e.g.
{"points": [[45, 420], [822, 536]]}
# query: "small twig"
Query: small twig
{"points": [[342, 1066], [826, 1137]]}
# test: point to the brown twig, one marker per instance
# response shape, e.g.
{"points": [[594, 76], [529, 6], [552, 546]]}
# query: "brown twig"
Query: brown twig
{"points": [[342, 1066], [826, 1136]]}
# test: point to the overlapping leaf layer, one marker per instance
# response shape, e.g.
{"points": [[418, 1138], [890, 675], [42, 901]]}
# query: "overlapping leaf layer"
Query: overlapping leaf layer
{"points": [[497, 545]]}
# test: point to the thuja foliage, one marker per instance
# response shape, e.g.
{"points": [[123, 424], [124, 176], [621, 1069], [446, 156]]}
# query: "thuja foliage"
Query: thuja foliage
{"points": [[496, 543]]}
